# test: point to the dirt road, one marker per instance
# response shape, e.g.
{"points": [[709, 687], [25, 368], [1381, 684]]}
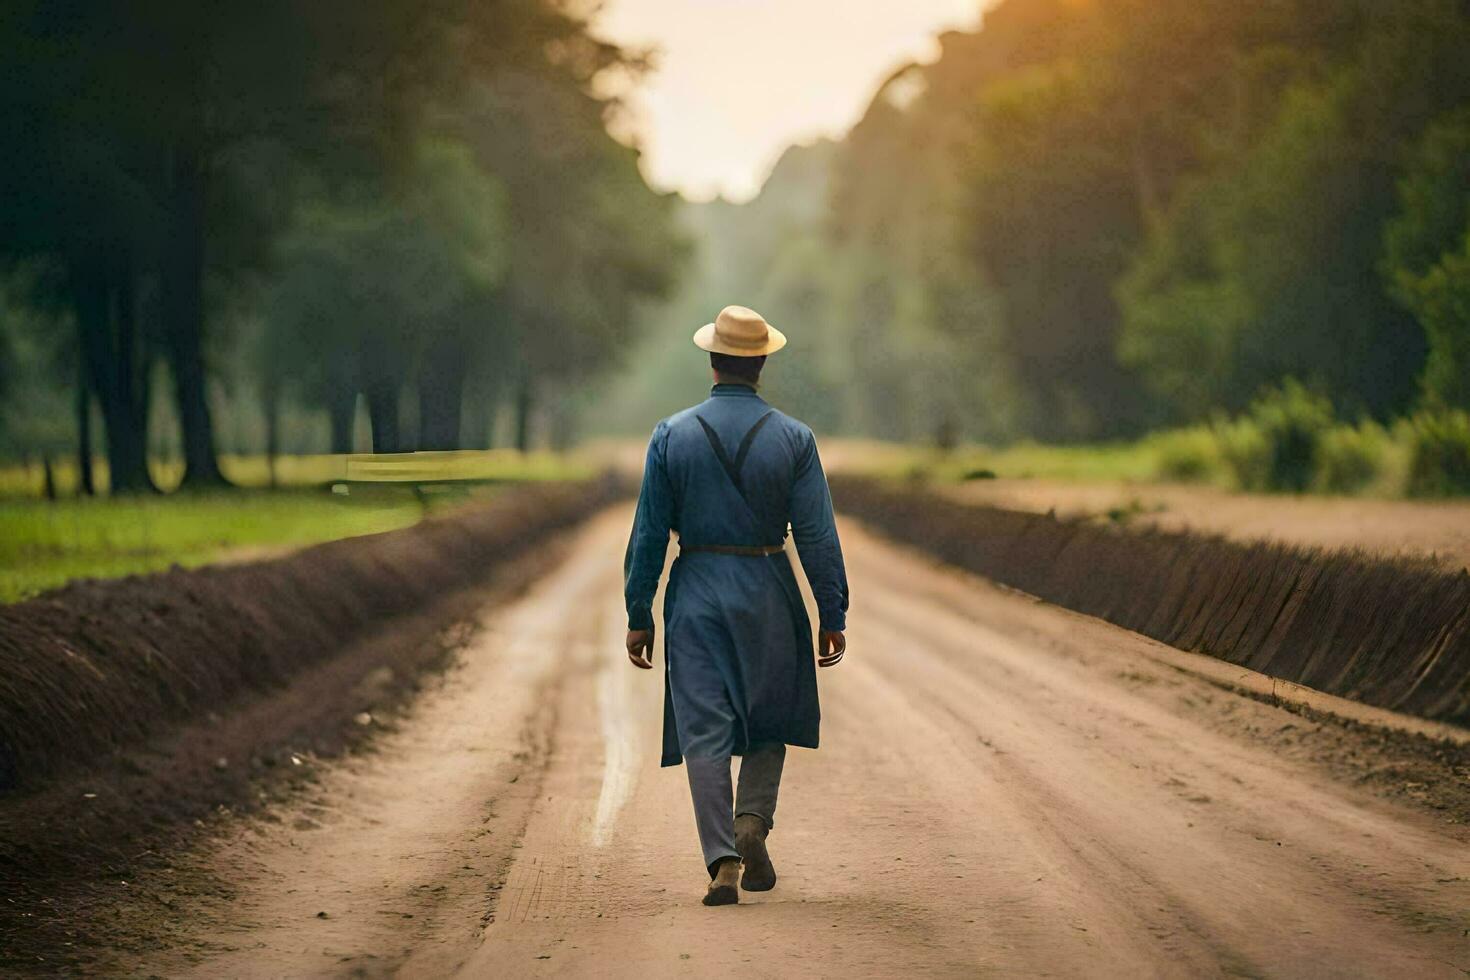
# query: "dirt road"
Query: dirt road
{"points": [[1005, 788]]}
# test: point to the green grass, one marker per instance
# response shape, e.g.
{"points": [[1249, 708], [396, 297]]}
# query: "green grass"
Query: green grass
{"points": [[44, 544], [498, 465], [1104, 462]]}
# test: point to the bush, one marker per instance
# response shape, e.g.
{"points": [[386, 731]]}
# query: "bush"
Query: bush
{"points": [[1274, 446], [1244, 452], [1188, 455], [1350, 458], [1439, 453]]}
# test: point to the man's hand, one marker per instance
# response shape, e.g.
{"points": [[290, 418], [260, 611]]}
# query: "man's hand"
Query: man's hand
{"points": [[830, 648], [640, 648]]}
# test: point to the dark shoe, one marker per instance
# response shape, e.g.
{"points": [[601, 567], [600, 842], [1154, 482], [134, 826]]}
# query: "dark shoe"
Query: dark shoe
{"points": [[750, 841], [722, 890]]}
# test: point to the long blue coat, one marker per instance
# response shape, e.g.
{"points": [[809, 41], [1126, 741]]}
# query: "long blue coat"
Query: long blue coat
{"points": [[743, 615]]}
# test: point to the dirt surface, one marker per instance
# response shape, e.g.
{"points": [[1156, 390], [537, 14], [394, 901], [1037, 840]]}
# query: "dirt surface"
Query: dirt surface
{"points": [[1389, 631], [1394, 527], [68, 853], [102, 664], [1004, 788]]}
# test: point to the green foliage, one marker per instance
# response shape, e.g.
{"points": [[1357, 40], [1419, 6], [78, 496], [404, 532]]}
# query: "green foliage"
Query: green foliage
{"points": [[1088, 219], [44, 545], [1439, 453], [1245, 452], [1266, 263], [1189, 455], [1291, 422], [1434, 200], [1427, 254], [1441, 301], [1351, 459], [1053, 214], [305, 204], [1232, 291], [35, 360], [1287, 441]]}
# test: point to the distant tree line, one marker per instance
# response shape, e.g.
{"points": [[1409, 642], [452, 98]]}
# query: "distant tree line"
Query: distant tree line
{"points": [[415, 206], [1090, 219]]}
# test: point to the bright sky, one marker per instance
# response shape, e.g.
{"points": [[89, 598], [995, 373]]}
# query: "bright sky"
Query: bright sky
{"points": [[738, 81]]}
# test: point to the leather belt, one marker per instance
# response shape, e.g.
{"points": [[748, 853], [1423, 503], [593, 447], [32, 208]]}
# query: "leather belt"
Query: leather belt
{"points": [[754, 551]]}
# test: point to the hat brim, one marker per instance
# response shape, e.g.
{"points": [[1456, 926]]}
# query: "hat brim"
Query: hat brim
{"points": [[705, 339]]}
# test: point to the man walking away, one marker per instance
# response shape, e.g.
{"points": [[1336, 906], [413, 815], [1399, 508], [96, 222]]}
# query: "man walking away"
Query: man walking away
{"points": [[729, 477]]}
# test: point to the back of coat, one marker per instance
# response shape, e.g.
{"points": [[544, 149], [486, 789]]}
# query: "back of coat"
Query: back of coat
{"points": [[733, 472]]}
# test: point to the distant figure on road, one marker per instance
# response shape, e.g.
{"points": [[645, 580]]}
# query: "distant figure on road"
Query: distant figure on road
{"points": [[729, 476]]}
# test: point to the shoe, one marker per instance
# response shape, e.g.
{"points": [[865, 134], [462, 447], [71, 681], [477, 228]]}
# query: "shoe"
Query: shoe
{"points": [[722, 890], [750, 841]]}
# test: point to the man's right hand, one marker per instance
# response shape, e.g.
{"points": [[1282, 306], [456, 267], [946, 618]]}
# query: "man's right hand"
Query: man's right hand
{"points": [[640, 648], [831, 646]]}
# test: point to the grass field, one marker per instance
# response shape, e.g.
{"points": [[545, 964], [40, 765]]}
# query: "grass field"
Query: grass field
{"points": [[44, 544], [27, 480], [1138, 461]]}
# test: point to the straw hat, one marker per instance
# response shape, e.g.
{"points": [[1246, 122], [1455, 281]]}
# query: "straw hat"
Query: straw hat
{"points": [[739, 332]]}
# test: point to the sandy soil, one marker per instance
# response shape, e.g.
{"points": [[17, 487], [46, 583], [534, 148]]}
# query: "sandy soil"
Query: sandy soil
{"points": [[1439, 528], [1005, 788]]}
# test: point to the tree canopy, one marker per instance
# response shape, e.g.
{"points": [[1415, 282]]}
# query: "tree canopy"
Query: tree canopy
{"points": [[1087, 219], [294, 207]]}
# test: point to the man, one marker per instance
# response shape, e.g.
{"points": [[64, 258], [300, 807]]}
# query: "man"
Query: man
{"points": [[729, 476]]}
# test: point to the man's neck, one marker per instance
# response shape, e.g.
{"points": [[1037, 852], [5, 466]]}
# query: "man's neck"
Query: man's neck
{"points": [[725, 379]]}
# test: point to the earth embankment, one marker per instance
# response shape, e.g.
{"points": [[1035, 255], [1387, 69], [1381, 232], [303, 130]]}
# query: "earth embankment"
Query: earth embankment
{"points": [[100, 665], [1390, 631]]}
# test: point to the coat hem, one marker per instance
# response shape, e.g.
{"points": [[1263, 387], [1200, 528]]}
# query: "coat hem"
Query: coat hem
{"points": [[677, 758]]}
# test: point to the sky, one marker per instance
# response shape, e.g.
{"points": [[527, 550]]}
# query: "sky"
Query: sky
{"points": [[738, 81]]}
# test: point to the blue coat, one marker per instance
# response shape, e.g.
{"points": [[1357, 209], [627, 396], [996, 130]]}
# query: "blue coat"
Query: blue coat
{"points": [[743, 614]]}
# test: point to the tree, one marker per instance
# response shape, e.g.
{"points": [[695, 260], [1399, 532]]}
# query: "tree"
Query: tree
{"points": [[78, 202], [1427, 254], [589, 240], [1266, 264]]}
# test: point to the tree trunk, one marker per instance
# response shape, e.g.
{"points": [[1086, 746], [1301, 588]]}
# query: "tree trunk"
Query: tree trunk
{"points": [[560, 422], [476, 430], [342, 411], [382, 403], [523, 408], [85, 484], [184, 295], [131, 382], [107, 336], [441, 395], [272, 429]]}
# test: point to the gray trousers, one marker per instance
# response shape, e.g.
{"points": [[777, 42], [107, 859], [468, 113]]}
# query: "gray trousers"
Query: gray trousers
{"points": [[707, 727], [714, 813]]}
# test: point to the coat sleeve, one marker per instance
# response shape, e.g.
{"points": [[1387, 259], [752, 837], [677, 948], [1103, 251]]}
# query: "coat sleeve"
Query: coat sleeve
{"points": [[815, 533], [643, 562]]}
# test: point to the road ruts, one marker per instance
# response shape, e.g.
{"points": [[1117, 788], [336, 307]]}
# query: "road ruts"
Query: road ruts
{"points": [[1004, 788]]}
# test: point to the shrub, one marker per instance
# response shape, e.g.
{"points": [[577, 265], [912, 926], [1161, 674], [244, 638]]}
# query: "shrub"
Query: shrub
{"points": [[1275, 445], [1188, 455], [1244, 452], [1439, 453], [1350, 458]]}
